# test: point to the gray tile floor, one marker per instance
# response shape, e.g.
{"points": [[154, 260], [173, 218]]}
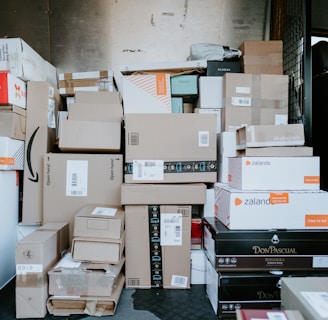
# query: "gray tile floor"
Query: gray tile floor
{"points": [[142, 304]]}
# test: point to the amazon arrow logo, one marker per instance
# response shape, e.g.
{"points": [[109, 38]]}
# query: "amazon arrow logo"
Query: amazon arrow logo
{"points": [[35, 176]]}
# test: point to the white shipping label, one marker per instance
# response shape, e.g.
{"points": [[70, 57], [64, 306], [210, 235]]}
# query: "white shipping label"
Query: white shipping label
{"points": [[320, 262], [276, 315], [148, 170], [171, 229], [203, 138], [318, 300], [243, 90], [110, 212], [51, 114], [77, 178], [241, 101], [179, 281]]}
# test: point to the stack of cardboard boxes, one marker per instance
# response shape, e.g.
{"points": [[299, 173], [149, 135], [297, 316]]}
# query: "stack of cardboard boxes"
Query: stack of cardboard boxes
{"points": [[270, 214]]}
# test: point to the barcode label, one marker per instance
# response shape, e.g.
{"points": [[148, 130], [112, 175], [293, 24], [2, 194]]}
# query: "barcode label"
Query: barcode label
{"points": [[134, 139], [133, 282], [148, 170], [171, 229], [28, 268], [179, 281], [77, 178], [203, 138], [241, 101]]}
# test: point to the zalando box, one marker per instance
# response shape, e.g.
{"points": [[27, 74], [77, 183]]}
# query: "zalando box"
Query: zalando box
{"points": [[13, 122], [274, 173], [99, 222], [12, 90], [267, 209], [158, 230], [23, 62], [165, 148], [146, 93], [43, 103], [72, 181]]}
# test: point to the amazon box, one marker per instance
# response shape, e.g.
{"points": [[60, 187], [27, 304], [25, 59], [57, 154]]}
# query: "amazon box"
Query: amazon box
{"points": [[43, 103]]}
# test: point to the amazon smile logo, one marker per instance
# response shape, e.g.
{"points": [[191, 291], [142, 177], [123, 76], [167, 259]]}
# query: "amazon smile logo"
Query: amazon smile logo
{"points": [[34, 175]]}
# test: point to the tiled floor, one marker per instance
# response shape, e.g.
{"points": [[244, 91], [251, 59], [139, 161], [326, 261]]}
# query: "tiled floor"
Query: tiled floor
{"points": [[146, 304]]}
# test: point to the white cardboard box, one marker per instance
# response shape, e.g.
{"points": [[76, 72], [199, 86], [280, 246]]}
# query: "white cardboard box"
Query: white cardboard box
{"points": [[274, 173], [149, 93], [12, 90], [210, 92], [242, 210], [11, 154]]}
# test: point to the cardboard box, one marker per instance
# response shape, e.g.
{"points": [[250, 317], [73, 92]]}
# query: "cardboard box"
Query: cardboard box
{"points": [[90, 305], [236, 117], [161, 152], [43, 103], [168, 253], [274, 173], [99, 222], [9, 195], [98, 250], [147, 93], [270, 136], [11, 154], [262, 56], [226, 148], [210, 92], [62, 230], [140, 194], [72, 181], [216, 68], [249, 314], [90, 136], [177, 104], [306, 294], [70, 83], [75, 278], [292, 151], [198, 267], [23, 62], [255, 90], [264, 250], [242, 210], [184, 85], [12, 90], [35, 255], [13, 122], [99, 97]]}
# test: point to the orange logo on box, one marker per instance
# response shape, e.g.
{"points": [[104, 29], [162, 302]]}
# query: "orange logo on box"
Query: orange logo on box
{"points": [[311, 179], [161, 84], [279, 198], [238, 201], [7, 161], [316, 220], [248, 163]]}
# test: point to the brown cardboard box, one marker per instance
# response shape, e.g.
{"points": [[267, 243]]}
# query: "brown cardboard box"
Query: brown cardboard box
{"points": [[297, 151], [69, 278], [306, 294], [98, 250], [43, 103], [155, 255], [99, 222], [98, 97], [35, 255], [62, 229], [165, 148], [90, 305], [255, 90], [72, 181], [90, 136], [262, 56], [13, 122]]}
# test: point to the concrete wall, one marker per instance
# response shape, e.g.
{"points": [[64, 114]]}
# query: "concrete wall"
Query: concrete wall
{"points": [[87, 35]]}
